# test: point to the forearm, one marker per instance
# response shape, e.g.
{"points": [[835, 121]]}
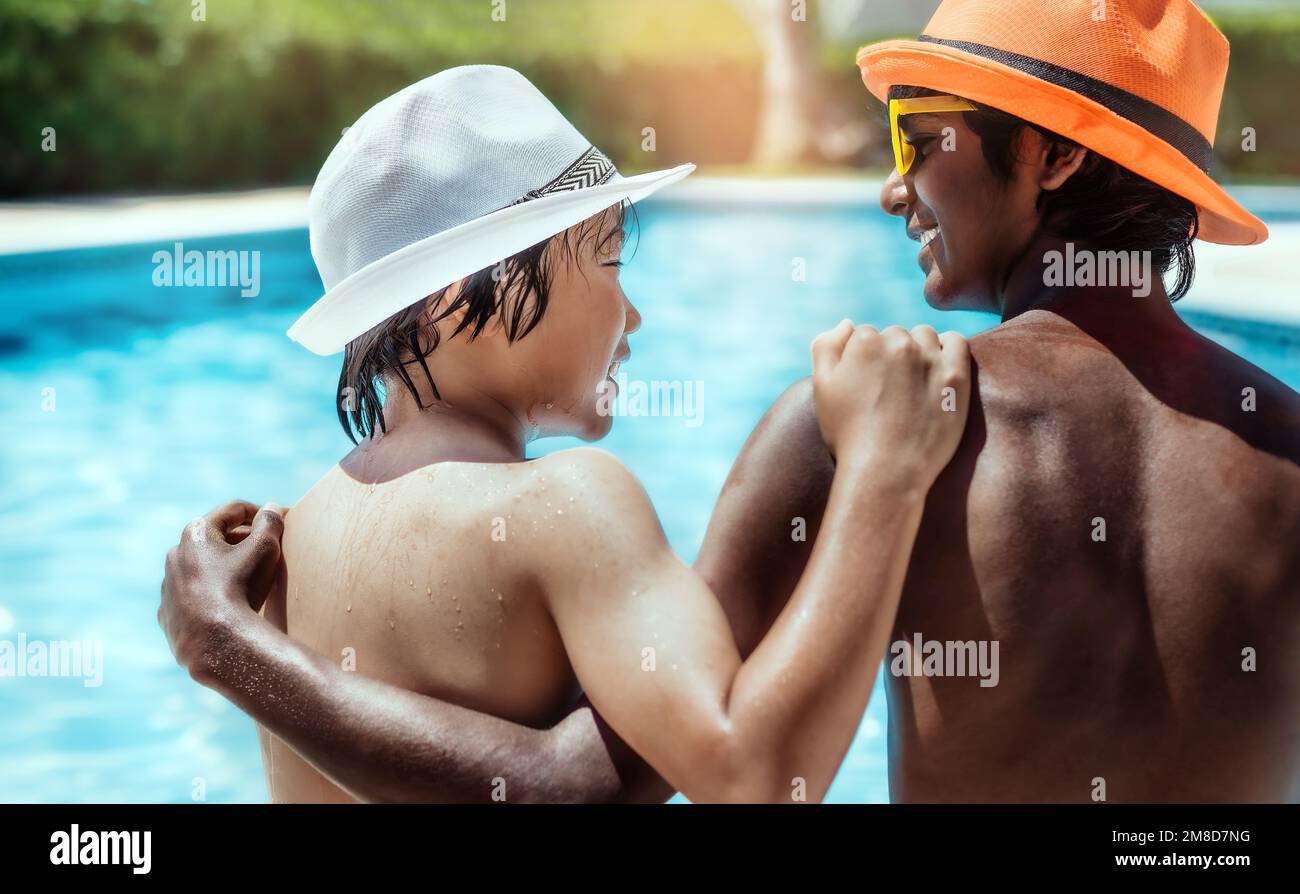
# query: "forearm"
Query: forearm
{"points": [[717, 727], [758, 541], [795, 704], [385, 744]]}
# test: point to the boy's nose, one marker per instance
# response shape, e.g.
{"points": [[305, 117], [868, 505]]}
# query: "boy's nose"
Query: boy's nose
{"points": [[895, 196], [633, 318]]}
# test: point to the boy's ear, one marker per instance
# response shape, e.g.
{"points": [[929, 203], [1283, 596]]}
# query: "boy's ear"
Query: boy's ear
{"points": [[436, 303], [1060, 165], [1052, 164]]}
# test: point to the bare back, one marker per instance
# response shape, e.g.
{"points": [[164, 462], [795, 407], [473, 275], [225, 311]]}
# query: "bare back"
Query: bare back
{"points": [[1163, 659], [403, 581], [1126, 530]]}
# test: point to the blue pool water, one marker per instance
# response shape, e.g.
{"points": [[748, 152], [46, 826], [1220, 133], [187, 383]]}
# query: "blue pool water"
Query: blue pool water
{"points": [[169, 401]]}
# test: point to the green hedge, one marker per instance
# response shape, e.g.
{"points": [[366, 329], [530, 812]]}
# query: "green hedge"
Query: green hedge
{"points": [[143, 98]]}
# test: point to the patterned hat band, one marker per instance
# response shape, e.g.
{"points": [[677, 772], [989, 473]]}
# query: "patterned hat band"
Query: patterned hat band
{"points": [[592, 168]]}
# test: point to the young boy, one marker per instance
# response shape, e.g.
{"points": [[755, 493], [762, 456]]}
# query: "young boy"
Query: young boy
{"points": [[436, 558]]}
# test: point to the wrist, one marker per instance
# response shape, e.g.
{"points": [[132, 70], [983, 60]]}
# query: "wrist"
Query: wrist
{"points": [[894, 471], [217, 642]]}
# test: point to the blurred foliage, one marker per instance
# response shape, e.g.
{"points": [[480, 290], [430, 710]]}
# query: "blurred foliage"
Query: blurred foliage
{"points": [[1264, 69], [144, 98], [141, 96]]}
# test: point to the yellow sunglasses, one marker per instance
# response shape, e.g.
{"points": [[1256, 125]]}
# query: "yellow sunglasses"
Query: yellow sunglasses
{"points": [[905, 152]]}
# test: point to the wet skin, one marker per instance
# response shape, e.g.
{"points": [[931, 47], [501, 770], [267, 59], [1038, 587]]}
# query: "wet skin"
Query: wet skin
{"points": [[1120, 660], [436, 560], [403, 579]]}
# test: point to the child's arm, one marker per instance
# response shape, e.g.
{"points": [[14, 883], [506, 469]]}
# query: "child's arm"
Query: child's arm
{"points": [[649, 641]]}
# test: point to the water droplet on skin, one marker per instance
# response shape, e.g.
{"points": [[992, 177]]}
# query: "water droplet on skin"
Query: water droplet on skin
{"points": [[349, 606], [392, 625], [428, 591], [559, 512]]}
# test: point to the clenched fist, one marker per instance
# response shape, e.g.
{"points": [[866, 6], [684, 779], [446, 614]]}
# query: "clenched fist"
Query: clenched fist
{"points": [[222, 570], [892, 396]]}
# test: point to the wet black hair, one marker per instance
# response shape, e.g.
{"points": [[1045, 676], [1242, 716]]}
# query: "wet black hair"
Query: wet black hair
{"points": [[1104, 204], [517, 288]]}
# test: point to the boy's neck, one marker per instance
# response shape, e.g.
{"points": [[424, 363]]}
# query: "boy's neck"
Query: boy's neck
{"points": [[484, 432], [1027, 288]]}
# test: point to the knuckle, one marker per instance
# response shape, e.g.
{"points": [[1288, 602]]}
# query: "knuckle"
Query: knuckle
{"points": [[859, 344], [897, 338]]}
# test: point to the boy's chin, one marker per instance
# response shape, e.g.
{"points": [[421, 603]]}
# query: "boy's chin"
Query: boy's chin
{"points": [[936, 291], [596, 427], [589, 425], [942, 294]]}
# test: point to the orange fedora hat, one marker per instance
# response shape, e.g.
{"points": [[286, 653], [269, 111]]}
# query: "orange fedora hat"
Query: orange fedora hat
{"points": [[1138, 82]]}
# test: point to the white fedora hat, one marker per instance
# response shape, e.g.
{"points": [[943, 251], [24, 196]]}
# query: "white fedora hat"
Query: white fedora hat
{"points": [[440, 180]]}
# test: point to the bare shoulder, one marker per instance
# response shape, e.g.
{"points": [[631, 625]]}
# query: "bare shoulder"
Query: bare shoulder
{"points": [[1031, 353], [585, 496], [584, 463], [1266, 411]]}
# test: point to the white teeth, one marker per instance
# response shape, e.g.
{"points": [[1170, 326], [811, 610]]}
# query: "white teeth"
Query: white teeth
{"points": [[929, 236]]}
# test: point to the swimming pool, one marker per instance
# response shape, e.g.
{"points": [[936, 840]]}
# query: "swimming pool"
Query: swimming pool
{"points": [[167, 401]]}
